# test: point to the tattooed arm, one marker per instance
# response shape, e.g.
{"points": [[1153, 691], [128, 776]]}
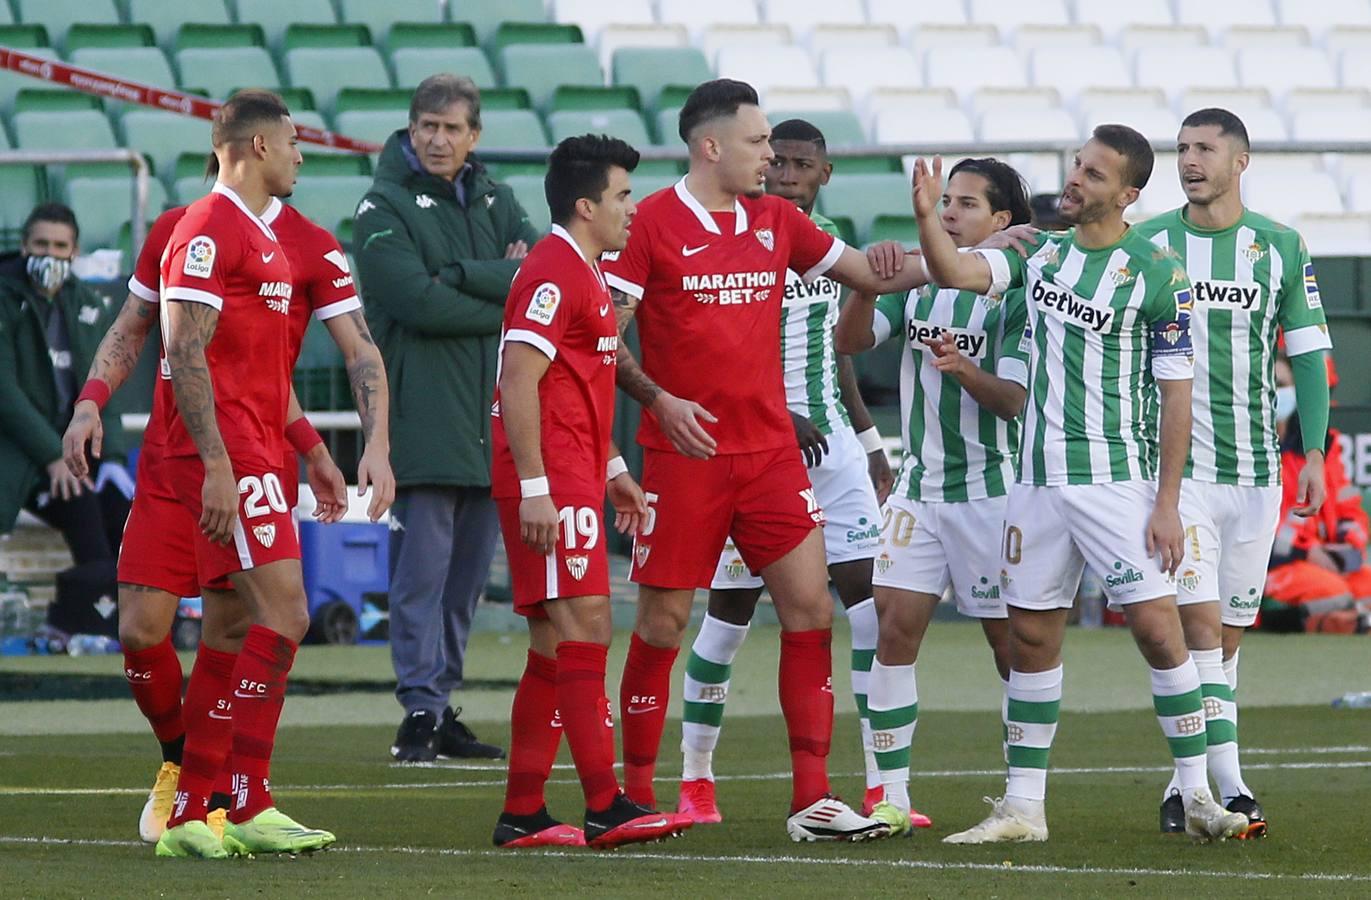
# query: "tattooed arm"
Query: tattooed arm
{"points": [[115, 358], [367, 375], [190, 326]]}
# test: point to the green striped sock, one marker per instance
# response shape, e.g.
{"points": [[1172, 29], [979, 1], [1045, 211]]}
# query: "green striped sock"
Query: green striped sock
{"points": [[1034, 704], [705, 691], [1221, 723], [1180, 711], [894, 709], [862, 619]]}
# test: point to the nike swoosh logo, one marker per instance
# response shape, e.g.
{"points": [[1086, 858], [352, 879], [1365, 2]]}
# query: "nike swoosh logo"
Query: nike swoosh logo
{"points": [[604, 310], [691, 251], [240, 695], [638, 710], [268, 257], [213, 716], [657, 824]]}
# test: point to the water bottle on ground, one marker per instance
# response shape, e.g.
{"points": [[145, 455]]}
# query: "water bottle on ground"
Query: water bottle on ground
{"points": [[1354, 700]]}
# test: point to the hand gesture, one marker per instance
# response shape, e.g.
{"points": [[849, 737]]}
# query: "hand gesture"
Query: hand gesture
{"points": [[1019, 238], [218, 504], [947, 356], [680, 421], [928, 186], [886, 258], [373, 470], [329, 487], [62, 484], [1311, 490], [813, 444], [882, 479], [1166, 537], [538, 523], [84, 428], [630, 505]]}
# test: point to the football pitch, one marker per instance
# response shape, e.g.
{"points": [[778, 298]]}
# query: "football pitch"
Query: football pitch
{"points": [[74, 774]]}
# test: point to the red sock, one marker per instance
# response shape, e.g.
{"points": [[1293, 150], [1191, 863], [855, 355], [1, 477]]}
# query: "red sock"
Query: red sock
{"points": [[155, 676], [581, 696], [207, 712], [536, 732], [643, 695], [807, 704], [259, 691]]}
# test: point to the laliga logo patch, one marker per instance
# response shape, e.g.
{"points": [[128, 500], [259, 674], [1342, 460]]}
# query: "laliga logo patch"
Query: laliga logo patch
{"points": [[543, 306], [767, 238], [200, 256], [265, 534], [577, 566], [640, 554]]}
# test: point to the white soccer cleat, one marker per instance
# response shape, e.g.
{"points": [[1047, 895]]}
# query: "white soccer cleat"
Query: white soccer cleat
{"points": [[1206, 820], [153, 819], [830, 819], [1004, 824]]}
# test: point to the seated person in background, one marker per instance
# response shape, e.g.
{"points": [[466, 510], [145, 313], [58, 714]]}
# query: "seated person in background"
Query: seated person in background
{"points": [[1318, 564]]}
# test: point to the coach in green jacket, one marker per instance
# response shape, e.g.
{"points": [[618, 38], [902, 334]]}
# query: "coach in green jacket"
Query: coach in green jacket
{"points": [[50, 325], [437, 244]]}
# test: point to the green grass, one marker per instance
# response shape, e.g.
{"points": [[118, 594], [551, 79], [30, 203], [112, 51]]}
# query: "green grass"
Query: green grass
{"points": [[418, 831]]}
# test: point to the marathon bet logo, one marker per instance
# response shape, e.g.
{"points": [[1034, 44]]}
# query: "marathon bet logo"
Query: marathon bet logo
{"points": [[732, 289], [1064, 304], [1128, 575]]}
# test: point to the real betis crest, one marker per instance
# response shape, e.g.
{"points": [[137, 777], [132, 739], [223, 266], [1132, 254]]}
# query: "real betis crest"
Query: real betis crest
{"points": [[1121, 276], [735, 568], [1253, 252]]}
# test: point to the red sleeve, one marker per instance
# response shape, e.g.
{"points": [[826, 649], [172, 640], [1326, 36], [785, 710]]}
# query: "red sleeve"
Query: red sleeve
{"points": [[812, 250], [199, 258], [540, 313], [147, 273], [327, 279], [1351, 519], [628, 269]]}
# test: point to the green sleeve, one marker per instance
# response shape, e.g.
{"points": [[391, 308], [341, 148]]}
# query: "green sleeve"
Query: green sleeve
{"points": [[1299, 309], [1015, 343], [1311, 397], [20, 420], [890, 307], [486, 279], [1169, 292]]}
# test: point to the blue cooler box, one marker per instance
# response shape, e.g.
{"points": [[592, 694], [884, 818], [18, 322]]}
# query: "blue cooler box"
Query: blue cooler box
{"points": [[347, 577]]}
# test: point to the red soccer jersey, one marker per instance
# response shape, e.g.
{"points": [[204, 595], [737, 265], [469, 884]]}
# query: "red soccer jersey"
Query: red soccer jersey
{"points": [[560, 304], [709, 324], [222, 255]]}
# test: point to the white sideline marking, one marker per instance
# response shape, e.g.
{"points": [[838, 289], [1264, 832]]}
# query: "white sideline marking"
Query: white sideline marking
{"points": [[622, 857], [669, 779]]}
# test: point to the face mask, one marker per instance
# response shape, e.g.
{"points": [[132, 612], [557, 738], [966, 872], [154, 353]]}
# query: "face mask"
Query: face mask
{"points": [[1285, 402], [48, 273]]}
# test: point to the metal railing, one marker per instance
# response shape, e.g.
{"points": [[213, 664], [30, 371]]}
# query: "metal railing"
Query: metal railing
{"points": [[142, 175]]}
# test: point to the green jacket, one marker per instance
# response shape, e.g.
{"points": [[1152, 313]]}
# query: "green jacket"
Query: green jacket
{"points": [[433, 277], [31, 425]]}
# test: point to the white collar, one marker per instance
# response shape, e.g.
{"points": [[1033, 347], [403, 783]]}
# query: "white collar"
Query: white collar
{"points": [[559, 231], [706, 220], [273, 210], [221, 188]]}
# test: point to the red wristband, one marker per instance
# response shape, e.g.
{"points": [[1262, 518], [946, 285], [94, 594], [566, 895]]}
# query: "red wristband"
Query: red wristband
{"points": [[302, 436], [96, 390]]}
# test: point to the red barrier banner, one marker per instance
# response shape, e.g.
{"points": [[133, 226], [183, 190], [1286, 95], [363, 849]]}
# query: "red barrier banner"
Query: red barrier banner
{"points": [[91, 82]]}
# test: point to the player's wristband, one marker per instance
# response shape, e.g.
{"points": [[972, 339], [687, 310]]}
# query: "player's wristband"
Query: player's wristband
{"points": [[871, 440], [302, 436], [534, 487], [97, 391], [615, 468]]}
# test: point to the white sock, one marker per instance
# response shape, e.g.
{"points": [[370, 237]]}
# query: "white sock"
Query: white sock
{"points": [[1032, 708], [861, 617], [1230, 670], [1221, 724], [894, 703], [1180, 712], [705, 691]]}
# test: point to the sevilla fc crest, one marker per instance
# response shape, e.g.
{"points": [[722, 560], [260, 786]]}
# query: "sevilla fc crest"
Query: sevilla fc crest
{"points": [[577, 566], [265, 534], [767, 238], [640, 553]]}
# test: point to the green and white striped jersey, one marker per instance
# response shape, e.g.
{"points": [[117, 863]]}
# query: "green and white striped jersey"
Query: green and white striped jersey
{"points": [[955, 449], [808, 314], [1249, 280], [1103, 325]]}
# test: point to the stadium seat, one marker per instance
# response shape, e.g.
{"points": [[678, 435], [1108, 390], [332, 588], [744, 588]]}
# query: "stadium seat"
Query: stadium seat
{"points": [[1219, 15], [439, 35], [23, 37], [719, 37], [322, 161], [55, 99], [862, 197], [1329, 125], [839, 129], [1239, 101], [966, 68], [513, 128], [1336, 234], [163, 136], [221, 69], [862, 70], [929, 37], [1266, 125], [1010, 15], [803, 15], [595, 97], [103, 204], [696, 14], [276, 15], [988, 100], [651, 69], [392, 100], [617, 37], [895, 127], [414, 64], [166, 16], [21, 189], [144, 64], [11, 83], [528, 190], [624, 124], [81, 35], [1359, 191], [1073, 70], [828, 37], [329, 199], [381, 17], [541, 68], [1240, 37], [1291, 194], [1113, 16], [1338, 40], [6, 14], [189, 189], [1355, 69], [1031, 125], [1278, 165], [1352, 100], [85, 129], [768, 67], [311, 34], [1321, 16], [368, 124], [59, 15], [508, 33], [897, 12], [1042, 171], [594, 15], [326, 71], [1099, 104], [1174, 70], [197, 34], [826, 99], [1176, 37], [1279, 69], [1163, 192], [1037, 37], [486, 17], [1155, 124]]}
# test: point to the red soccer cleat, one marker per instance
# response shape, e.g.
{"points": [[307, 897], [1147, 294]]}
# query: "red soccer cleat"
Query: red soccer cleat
{"points": [[625, 822], [873, 796], [538, 830], [697, 802], [918, 819]]}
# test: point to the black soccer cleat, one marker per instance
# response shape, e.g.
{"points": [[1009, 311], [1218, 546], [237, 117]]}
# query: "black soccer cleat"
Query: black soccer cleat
{"points": [[625, 822], [1256, 819], [1173, 814], [454, 740], [537, 830], [414, 740]]}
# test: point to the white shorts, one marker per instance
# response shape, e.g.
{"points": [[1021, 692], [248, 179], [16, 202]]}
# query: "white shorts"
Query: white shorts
{"points": [[1229, 530], [927, 546], [842, 485], [1050, 534]]}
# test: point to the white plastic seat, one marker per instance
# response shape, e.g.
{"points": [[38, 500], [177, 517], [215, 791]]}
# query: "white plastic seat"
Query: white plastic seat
{"points": [[915, 103], [1291, 194], [1241, 36], [1219, 15], [695, 15], [1033, 37], [1099, 103], [1354, 101], [967, 68], [1179, 37], [1336, 234], [1012, 14], [896, 127], [1348, 37], [1265, 125], [988, 100], [1175, 70], [928, 37], [1042, 171], [1242, 102], [1163, 192], [1113, 16], [615, 37], [594, 15], [803, 15], [830, 37], [1006, 125], [808, 99], [1321, 15], [1281, 68], [1154, 124], [1329, 125], [897, 12], [1359, 192], [1354, 69], [1072, 70], [768, 67], [861, 70], [718, 37]]}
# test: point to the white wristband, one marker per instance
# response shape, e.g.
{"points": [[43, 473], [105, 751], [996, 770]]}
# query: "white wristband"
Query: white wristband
{"points": [[871, 440], [615, 467], [534, 487]]}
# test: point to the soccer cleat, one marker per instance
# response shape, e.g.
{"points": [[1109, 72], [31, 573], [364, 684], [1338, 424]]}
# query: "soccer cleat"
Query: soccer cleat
{"points": [[454, 740], [414, 741], [216, 820], [1256, 819], [830, 819], [625, 822], [697, 802], [1206, 820], [538, 830], [1173, 814], [153, 820], [272, 831], [873, 796], [1002, 825], [918, 819], [896, 818], [191, 840]]}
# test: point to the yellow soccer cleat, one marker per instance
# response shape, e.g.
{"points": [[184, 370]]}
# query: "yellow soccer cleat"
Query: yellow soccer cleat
{"points": [[191, 840], [896, 818], [216, 820], [157, 810], [272, 831]]}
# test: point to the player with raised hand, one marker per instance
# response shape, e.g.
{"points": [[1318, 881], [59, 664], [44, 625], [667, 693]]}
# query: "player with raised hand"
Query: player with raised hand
{"points": [[847, 464], [963, 380], [1109, 344], [553, 463], [705, 274], [1252, 277]]}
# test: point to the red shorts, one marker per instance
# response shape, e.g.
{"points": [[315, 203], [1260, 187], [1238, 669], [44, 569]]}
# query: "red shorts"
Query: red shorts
{"points": [[158, 548], [763, 500], [579, 567], [264, 531]]}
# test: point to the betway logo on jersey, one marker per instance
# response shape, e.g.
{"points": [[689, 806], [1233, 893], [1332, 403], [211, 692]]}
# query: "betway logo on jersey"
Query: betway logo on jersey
{"points": [[797, 293], [971, 343], [732, 289], [1064, 304], [277, 294], [1243, 295]]}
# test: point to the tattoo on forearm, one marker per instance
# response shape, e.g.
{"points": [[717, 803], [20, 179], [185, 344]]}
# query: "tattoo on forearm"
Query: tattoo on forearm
{"points": [[625, 305], [190, 377], [118, 352], [632, 380], [360, 320], [364, 374]]}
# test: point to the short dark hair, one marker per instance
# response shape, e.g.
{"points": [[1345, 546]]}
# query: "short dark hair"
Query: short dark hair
{"points": [[579, 167], [240, 114], [437, 92], [1135, 149], [1228, 124], [713, 100], [800, 130], [1005, 188], [52, 212]]}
